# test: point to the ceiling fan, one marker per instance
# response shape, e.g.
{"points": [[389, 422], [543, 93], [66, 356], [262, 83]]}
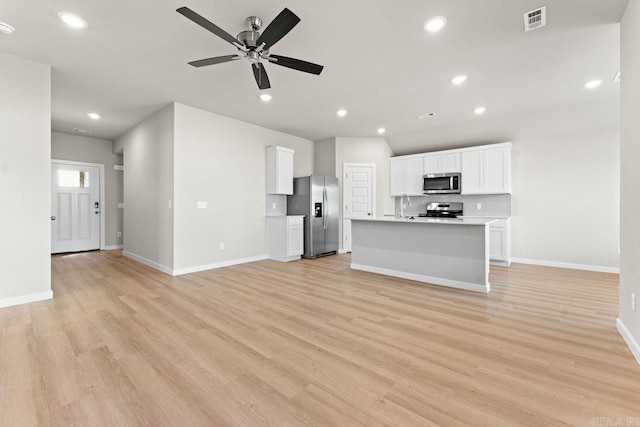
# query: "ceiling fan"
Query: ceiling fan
{"points": [[255, 46]]}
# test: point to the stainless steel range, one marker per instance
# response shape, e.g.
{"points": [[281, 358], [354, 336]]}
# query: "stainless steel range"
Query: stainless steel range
{"points": [[443, 210]]}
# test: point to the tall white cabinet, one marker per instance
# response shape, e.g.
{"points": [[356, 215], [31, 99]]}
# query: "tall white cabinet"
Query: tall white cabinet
{"points": [[285, 234]]}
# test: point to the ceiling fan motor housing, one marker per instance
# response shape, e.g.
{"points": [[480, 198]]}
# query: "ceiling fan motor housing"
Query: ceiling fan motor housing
{"points": [[249, 38]]}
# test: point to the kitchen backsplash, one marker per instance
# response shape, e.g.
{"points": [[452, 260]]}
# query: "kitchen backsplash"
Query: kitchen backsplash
{"points": [[498, 205], [277, 205]]}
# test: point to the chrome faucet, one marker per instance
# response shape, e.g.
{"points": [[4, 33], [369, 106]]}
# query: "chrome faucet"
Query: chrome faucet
{"points": [[402, 204]]}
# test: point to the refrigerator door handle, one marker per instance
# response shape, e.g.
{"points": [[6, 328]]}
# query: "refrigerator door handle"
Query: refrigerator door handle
{"points": [[325, 208]]}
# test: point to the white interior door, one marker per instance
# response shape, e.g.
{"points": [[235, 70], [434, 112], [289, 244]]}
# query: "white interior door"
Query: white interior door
{"points": [[358, 195], [75, 208]]}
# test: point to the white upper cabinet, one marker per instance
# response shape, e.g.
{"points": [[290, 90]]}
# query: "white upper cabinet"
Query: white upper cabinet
{"points": [[442, 163], [279, 170], [497, 166], [405, 176], [484, 169], [472, 172], [396, 177], [487, 170]]}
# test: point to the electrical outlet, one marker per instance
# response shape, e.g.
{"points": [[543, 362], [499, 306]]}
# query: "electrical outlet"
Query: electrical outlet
{"points": [[119, 233], [633, 302], [221, 245], [273, 206], [201, 205], [170, 204], [479, 206]]}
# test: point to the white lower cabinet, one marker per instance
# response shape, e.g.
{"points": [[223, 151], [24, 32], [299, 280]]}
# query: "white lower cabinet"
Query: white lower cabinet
{"points": [[500, 242], [285, 235]]}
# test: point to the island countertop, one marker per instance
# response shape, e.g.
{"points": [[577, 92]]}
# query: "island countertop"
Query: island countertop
{"points": [[424, 220]]}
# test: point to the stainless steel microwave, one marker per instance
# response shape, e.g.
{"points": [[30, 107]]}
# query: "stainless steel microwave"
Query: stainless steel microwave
{"points": [[442, 183]]}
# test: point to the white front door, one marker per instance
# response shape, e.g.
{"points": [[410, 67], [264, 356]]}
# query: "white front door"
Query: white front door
{"points": [[358, 194], [75, 208]]}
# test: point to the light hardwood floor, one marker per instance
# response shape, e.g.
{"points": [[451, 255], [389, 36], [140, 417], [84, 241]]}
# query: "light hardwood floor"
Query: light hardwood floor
{"points": [[313, 343]]}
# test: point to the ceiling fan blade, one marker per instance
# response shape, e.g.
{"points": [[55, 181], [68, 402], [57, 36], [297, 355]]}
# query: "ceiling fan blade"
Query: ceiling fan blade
{"points": [[278, 28], [208, 25], [296, 64], [261, 76], [215, 60]]}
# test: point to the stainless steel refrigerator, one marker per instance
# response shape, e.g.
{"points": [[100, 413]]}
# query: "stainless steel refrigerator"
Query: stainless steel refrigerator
{"points": [[316, 197]]}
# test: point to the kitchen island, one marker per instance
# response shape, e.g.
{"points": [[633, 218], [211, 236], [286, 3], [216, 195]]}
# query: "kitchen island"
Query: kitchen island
{"points": [[447, 252]]}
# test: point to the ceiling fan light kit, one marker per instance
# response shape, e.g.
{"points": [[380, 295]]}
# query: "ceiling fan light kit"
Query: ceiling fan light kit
{"points": [[254, 46]]}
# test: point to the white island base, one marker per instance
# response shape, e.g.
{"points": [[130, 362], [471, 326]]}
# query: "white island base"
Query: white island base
{"points": [[447, 252]]}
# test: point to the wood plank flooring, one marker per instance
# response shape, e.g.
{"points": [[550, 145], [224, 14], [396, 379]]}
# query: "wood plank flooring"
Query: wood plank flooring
{"points": [[313, 343]]}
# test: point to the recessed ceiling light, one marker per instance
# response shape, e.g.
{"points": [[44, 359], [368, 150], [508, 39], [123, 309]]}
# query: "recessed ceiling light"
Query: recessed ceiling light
{"points": [[341, 113], [381, 130], [593, 84], [435, 24], [480, 110], [94, 116], [458, 80], [74, 21], [266, 97], [6, 28], [425, 116]]}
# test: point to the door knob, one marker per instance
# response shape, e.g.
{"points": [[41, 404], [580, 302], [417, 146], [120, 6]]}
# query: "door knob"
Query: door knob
{"points": [[53, 218], [97, 212]]}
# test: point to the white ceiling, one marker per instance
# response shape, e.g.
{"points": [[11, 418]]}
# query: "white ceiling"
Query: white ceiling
{"points": [[379, 64]]}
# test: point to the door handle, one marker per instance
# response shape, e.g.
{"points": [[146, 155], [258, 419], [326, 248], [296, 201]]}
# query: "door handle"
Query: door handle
{"points": [[325, 207], [53, 218]]}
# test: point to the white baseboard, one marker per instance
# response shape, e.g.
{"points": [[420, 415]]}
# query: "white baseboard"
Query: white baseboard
{"points": [[343, 251], [187, 270], [629, 339], [24, 299], [113, 247], [286, 259], [598, 268], [148, 262], [426, 279]]}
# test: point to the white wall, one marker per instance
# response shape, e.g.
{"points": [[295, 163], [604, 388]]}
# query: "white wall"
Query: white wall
{"points": [[366, 150], [566, 195], [629, 321], [324, 157], [223, 161], [148, 187], [92, 150], [25, 180]]}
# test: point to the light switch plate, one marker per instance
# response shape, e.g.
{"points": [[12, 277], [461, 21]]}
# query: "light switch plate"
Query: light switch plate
{"points": [[120, 205], [479, 206], [274, 206], [202, 205]]}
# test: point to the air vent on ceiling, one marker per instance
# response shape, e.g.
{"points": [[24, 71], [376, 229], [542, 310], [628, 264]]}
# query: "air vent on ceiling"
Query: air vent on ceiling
{"points": [[426, 116], [82, 130], [535, 18]]}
